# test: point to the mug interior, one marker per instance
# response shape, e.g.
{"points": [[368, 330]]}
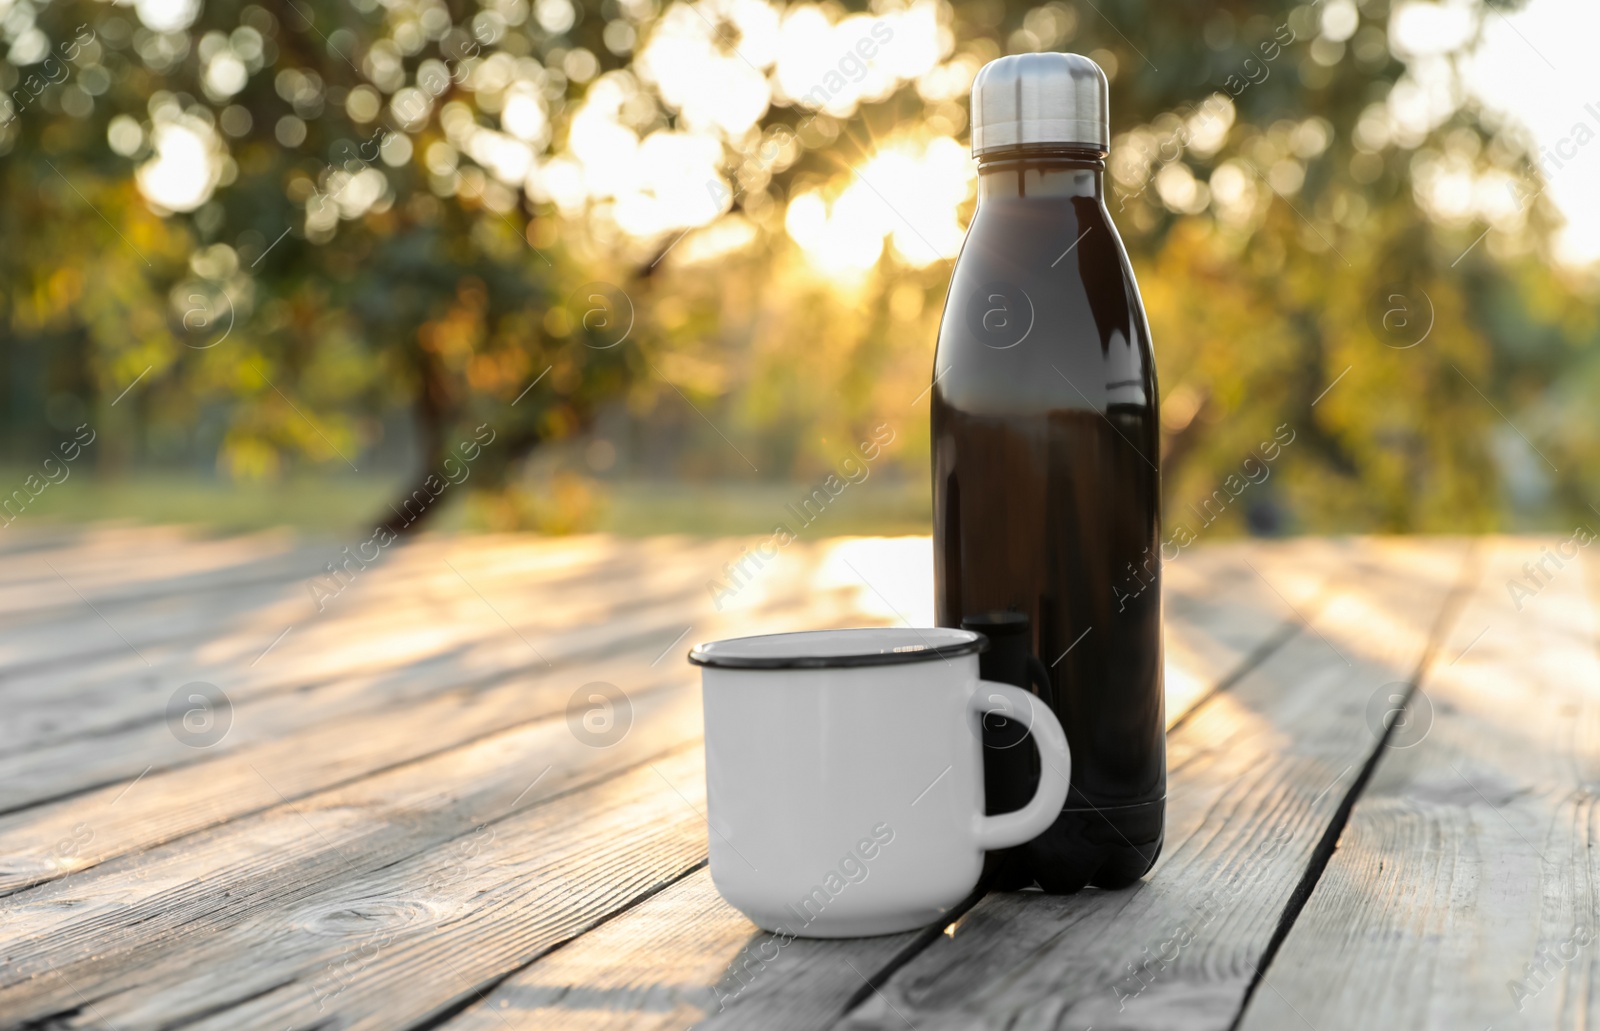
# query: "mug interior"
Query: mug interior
{"points": [[832, 649]]}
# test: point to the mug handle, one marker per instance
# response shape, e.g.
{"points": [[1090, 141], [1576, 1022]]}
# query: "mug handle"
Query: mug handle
{"points": [[1055, 774]]}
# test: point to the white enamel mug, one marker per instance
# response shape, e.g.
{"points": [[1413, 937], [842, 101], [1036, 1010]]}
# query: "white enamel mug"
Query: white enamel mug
{"points": [[844, 776]]}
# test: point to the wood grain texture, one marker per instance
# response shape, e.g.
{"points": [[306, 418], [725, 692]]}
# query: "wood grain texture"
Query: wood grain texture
{"points": [[304, 742], [1258, 774], [402, 830], [1464, 890], [685, 958], [407, 610], [542, 880], [385, 656], [533, 819], [263, 587], [158, 912], [111, 563], [282, 754], [401, 668], [410, 612], [1226, 606]]}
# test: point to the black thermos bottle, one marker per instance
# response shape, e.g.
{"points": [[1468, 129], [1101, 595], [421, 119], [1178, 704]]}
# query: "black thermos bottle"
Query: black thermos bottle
{"points": [[1046, 454]]}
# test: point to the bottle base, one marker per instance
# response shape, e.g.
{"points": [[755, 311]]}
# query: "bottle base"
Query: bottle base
{"points": [[1106, 848]]}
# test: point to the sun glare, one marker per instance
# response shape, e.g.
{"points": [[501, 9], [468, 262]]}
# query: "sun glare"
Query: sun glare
{"points": [[908, 193], [183, 172], [720, 66]]}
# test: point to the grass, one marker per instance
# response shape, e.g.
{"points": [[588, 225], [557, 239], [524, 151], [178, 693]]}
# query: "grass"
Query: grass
{"points": [[874, 506], [346, 504], [312, 504]]}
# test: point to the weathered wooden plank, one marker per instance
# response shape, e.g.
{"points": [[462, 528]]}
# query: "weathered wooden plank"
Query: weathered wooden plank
{"points": [[169, 923], [84, 623], [390, 631], [1226, 606], [279, 755], [648, 968], [87, 762], [66, 602], [686, 958], [20, 539], [320, 754], [542, 882], [1463, 892], [301, 743], [405, 611], [469, 861], [125, 565], [105, 537], [413, 584], [70, 641], [1258, 774], [112, 564]]}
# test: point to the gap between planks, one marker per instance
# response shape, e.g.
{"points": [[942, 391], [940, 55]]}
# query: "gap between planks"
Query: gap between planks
{"points": [[1452, 899], [679, 958], [886, 971], [1471, 572], [1022, 980], [1299, 622], [462, 712]]}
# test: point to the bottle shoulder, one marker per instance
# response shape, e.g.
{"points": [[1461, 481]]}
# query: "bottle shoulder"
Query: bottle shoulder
{"points": [[1046, 242], [1043, 308]]}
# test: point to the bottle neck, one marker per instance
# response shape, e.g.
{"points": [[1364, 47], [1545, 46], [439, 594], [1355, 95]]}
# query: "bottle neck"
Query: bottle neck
{"points": [[1030, 172]]}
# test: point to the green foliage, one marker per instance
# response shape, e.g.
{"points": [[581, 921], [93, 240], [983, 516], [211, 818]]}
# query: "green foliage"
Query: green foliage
{"points": [[354, 286]]}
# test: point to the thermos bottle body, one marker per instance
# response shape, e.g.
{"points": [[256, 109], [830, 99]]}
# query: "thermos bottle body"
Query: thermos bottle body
{"points": [[1046, 458]]}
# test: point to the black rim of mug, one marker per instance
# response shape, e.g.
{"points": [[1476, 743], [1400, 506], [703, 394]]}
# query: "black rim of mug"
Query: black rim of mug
{"points": [[705, 655]]}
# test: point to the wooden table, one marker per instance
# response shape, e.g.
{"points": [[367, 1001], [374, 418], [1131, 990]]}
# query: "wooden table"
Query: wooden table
{"points": [[398, 817]]}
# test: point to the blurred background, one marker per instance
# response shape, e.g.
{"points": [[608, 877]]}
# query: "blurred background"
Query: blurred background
{"points": [[650, 266]]}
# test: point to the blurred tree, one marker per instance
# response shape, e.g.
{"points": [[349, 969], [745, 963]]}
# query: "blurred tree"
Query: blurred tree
{"points": [[261, 230], [231, 240]]}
